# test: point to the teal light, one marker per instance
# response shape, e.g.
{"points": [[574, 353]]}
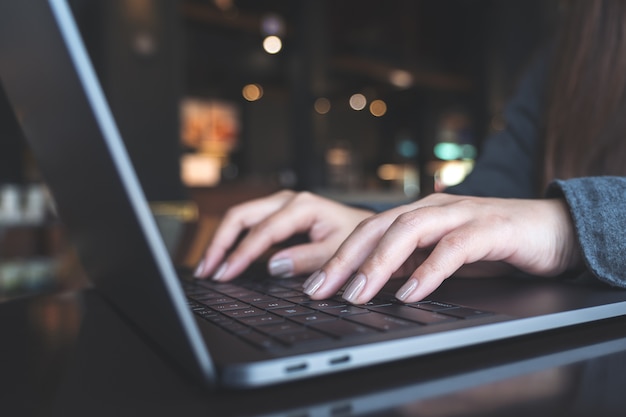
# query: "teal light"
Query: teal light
{"points": [[447, 151], [407, 148]]}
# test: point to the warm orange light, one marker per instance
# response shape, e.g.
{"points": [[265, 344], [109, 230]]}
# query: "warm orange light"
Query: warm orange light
{"points": [[378, 108], [252, 92]]}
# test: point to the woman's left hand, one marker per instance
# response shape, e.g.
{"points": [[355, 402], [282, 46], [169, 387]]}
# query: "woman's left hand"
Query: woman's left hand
{"points": [[433, 238]]}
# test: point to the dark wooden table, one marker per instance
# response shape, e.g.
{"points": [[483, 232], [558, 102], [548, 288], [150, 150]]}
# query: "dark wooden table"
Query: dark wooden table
{"points": [[71, 354]]}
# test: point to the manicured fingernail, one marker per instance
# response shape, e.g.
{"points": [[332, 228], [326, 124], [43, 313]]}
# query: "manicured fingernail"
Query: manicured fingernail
{"points": [[199, 269], [406, 290], [220, 272], [282, 268], [353, 290], [314, 282], [309, 279]]}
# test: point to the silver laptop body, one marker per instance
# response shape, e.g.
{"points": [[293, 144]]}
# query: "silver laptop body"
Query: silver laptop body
{"points": [[56, 97]]}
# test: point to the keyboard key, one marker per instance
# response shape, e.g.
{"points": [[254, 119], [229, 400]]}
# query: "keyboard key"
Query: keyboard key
{"points": [[312, 318], [292, 311], [234, 305], [433, 305], [260, 340], [261, 320], [244, 312], [342, 328], [272, 304], [413, 314], [377, 302], [219, 300], [206, 314], [324, 304], [466, 313], [294, 284], [199, 292], [287, 294], [346, 311], [279, 328], [381, 321], [300, 299], [253, 297]]}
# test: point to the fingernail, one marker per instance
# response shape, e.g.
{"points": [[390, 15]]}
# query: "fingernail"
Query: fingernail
{"points": [[220, 272], [282, 268], [314, 282], [406, 290], [353, 290], [199, 269], [309, 279]]}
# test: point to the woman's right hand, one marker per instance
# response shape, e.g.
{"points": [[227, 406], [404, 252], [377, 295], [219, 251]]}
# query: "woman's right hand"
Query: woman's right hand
{"points": [[274, 219]]}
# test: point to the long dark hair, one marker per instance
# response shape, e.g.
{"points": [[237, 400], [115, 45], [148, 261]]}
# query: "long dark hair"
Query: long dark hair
{"points": [[586, 115]]}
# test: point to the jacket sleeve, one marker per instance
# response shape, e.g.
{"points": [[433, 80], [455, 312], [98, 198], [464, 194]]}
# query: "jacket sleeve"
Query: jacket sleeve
{"points": [[598, 209], [507, 164]]}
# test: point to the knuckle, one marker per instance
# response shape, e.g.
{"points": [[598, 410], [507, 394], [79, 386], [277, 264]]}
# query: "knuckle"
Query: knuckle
{"points": [[303, 197], [367, 224], [456, 243], [435, 269], [469, 204], [339, 261], [232, 215], [260, 231], [375, 261], [284, 194], [411, 219], [373, 225]]}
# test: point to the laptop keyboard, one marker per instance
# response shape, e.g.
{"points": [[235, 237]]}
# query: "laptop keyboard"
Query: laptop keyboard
{"points": [[270, 313]]}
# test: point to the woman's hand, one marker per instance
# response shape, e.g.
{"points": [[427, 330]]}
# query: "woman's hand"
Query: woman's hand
{"points": [[431, 239], [272, 220]]}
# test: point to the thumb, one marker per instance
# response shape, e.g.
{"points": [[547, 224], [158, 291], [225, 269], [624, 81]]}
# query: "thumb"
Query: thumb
{"points": [[298, 260]]}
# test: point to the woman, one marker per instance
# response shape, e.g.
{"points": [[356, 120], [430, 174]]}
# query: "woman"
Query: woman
{"points": [[548, 194]]}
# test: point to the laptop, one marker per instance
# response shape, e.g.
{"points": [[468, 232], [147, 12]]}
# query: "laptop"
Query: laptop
{"points": [[241, 334]]}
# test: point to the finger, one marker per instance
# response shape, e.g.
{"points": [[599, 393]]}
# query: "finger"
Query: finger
{"points": [[299, 260], [417, 229], [235, 221], [350, 255], [463, 246], [291, 219]]}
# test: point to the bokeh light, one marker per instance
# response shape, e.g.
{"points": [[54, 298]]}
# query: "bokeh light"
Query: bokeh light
{"points": [[358, 102], [378, 108], [252, 92], [272, 44], [322, 105]]}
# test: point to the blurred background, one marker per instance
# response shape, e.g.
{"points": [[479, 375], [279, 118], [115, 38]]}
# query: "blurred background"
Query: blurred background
{"points": [[365, 101]]}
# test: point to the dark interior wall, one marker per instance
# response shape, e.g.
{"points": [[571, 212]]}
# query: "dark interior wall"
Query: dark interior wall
{"points": [[12, 146], [135, 47]]}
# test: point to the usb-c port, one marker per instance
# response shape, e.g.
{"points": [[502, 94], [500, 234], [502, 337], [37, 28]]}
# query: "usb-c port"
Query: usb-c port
{"points": [[296, 368], [339, 360]]}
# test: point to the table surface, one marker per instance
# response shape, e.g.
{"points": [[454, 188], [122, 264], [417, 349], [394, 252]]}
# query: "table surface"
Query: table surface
{"points": [[71, 354]]}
